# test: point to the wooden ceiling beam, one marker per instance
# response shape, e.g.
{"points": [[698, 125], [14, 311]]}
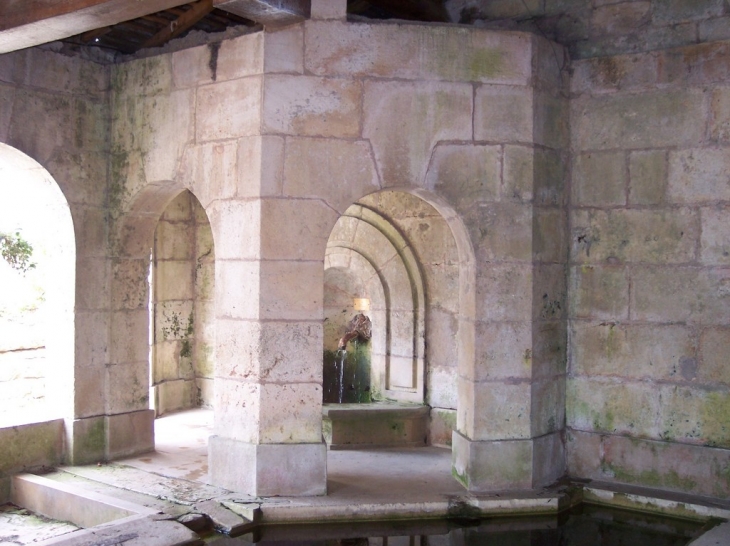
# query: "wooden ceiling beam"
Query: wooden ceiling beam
{"points": [[271, 13], [197, 11], [27, 23]]}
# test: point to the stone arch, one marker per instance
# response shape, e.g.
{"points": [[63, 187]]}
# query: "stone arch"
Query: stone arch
{"points": [[462, 289], [128, 377], [31, 201]]}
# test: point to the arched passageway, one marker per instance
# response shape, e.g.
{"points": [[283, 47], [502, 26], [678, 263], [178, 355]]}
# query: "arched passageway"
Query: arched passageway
{"points": [[37, 276]]}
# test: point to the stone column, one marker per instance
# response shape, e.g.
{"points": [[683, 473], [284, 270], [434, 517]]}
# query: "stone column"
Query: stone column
{"points": [[268, 385]]}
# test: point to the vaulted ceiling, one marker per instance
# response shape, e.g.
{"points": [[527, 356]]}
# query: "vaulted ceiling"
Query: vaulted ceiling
{"points": [[128, 26]]}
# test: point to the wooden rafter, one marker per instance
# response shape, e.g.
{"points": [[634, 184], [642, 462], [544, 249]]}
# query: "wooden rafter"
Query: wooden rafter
{"points": [[188, 19]]}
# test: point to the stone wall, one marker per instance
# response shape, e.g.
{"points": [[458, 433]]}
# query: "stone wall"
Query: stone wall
{"points": [[183, 311], [649, 388], [603, 28]]}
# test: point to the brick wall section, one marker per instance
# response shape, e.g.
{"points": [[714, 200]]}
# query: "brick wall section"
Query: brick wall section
{"points": [[600, 28], [648, 398]]}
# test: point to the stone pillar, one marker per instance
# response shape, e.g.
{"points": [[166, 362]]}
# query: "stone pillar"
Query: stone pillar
{"points": [[268, 385]]}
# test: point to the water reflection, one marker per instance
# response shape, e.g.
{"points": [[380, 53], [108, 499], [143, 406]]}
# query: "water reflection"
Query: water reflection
{"points": [[584, 525]]}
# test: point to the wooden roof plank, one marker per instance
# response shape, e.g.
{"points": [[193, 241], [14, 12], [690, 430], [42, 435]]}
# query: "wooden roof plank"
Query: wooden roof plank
{"points": [[197, 11]]}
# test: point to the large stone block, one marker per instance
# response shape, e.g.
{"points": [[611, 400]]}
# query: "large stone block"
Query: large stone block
{"points": [[311, 106], [551, 121], [442, 391], [504, 292], [720, 114], [279, 352], [583, 454], [621, 19], [501, 231], [612, 73], [549, 349], [599, 292], [641, 236], [127, 387], [148, 76], [290, 414], [607, 406], [551, 168], [501, 410], [503, 351], [236, 225], [191, 67], [699, 175], [503, 114], [674, 294], [93, 280], [129, 335], [268, 469], [338, 172], [404, 121], [284, 50], [238, 409], [130, 433], [675, 11], [714, 348], [32, 445], [229, 109], [240, 57], [648, 177], [89, 386], [492, 466], [548, 464], [40, 141], [237, 289], [291, 290], [656, 352], [548, 406], [417, 52], [518, 174], [174, 280], [648, 120], [690, 469], [692, 415], [599, 179], [715, 243], [211, 171], [465, 174]]}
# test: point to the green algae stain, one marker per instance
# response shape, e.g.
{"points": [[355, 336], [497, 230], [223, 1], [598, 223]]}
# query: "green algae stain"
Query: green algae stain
{"points": [[714, 419], [485, 64]]}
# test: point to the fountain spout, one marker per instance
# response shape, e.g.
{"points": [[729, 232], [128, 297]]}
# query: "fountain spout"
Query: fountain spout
{"points": [[359, 327]]}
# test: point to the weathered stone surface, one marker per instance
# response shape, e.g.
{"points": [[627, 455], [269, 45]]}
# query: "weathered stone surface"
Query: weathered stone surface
{"points": [[715, 243], [621, 18], [291, 290], [549, 348], [239, 412], [599, 292], [501, 232], [501, 410], [674, 11], [404, 121], [441, 427], [485, 466], [503, 350], [623, 408], [720, 114], [129, 328], [131, 433], [647, 236], [465, 174], [504, 292], [717, 28], [550, 235], [548, 406], [33, 139], [192, 66], [658, 352], [240, 57], [270, 351], [237, 289], [548, 463], [518, 173], [311, 106], [675, 294], [229, 109], [27, 446], [417, 52], [552, 113], [284, 50], [648, 120], [599, 179], [654, 464], [699, 175], [503, 114], [696, 64], [550, 177], [648, 177], [620, 72], [338, 172], [692, 415], [714, 348], [135, 397], [148, 76]]}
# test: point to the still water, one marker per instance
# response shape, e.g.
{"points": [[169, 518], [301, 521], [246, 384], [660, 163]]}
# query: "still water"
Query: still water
{"points": [[585, 525]]}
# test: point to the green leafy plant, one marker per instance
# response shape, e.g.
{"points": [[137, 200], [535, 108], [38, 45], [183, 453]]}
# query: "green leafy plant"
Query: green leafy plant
{"points": [[16, 251]]}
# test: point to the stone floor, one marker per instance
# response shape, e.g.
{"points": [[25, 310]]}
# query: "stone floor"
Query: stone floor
{"points": [[173, 483]]}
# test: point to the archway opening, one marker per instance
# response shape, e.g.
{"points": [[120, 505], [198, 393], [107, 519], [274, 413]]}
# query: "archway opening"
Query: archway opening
{"points": [[394, 255], [182, 313], [37, 276]]}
